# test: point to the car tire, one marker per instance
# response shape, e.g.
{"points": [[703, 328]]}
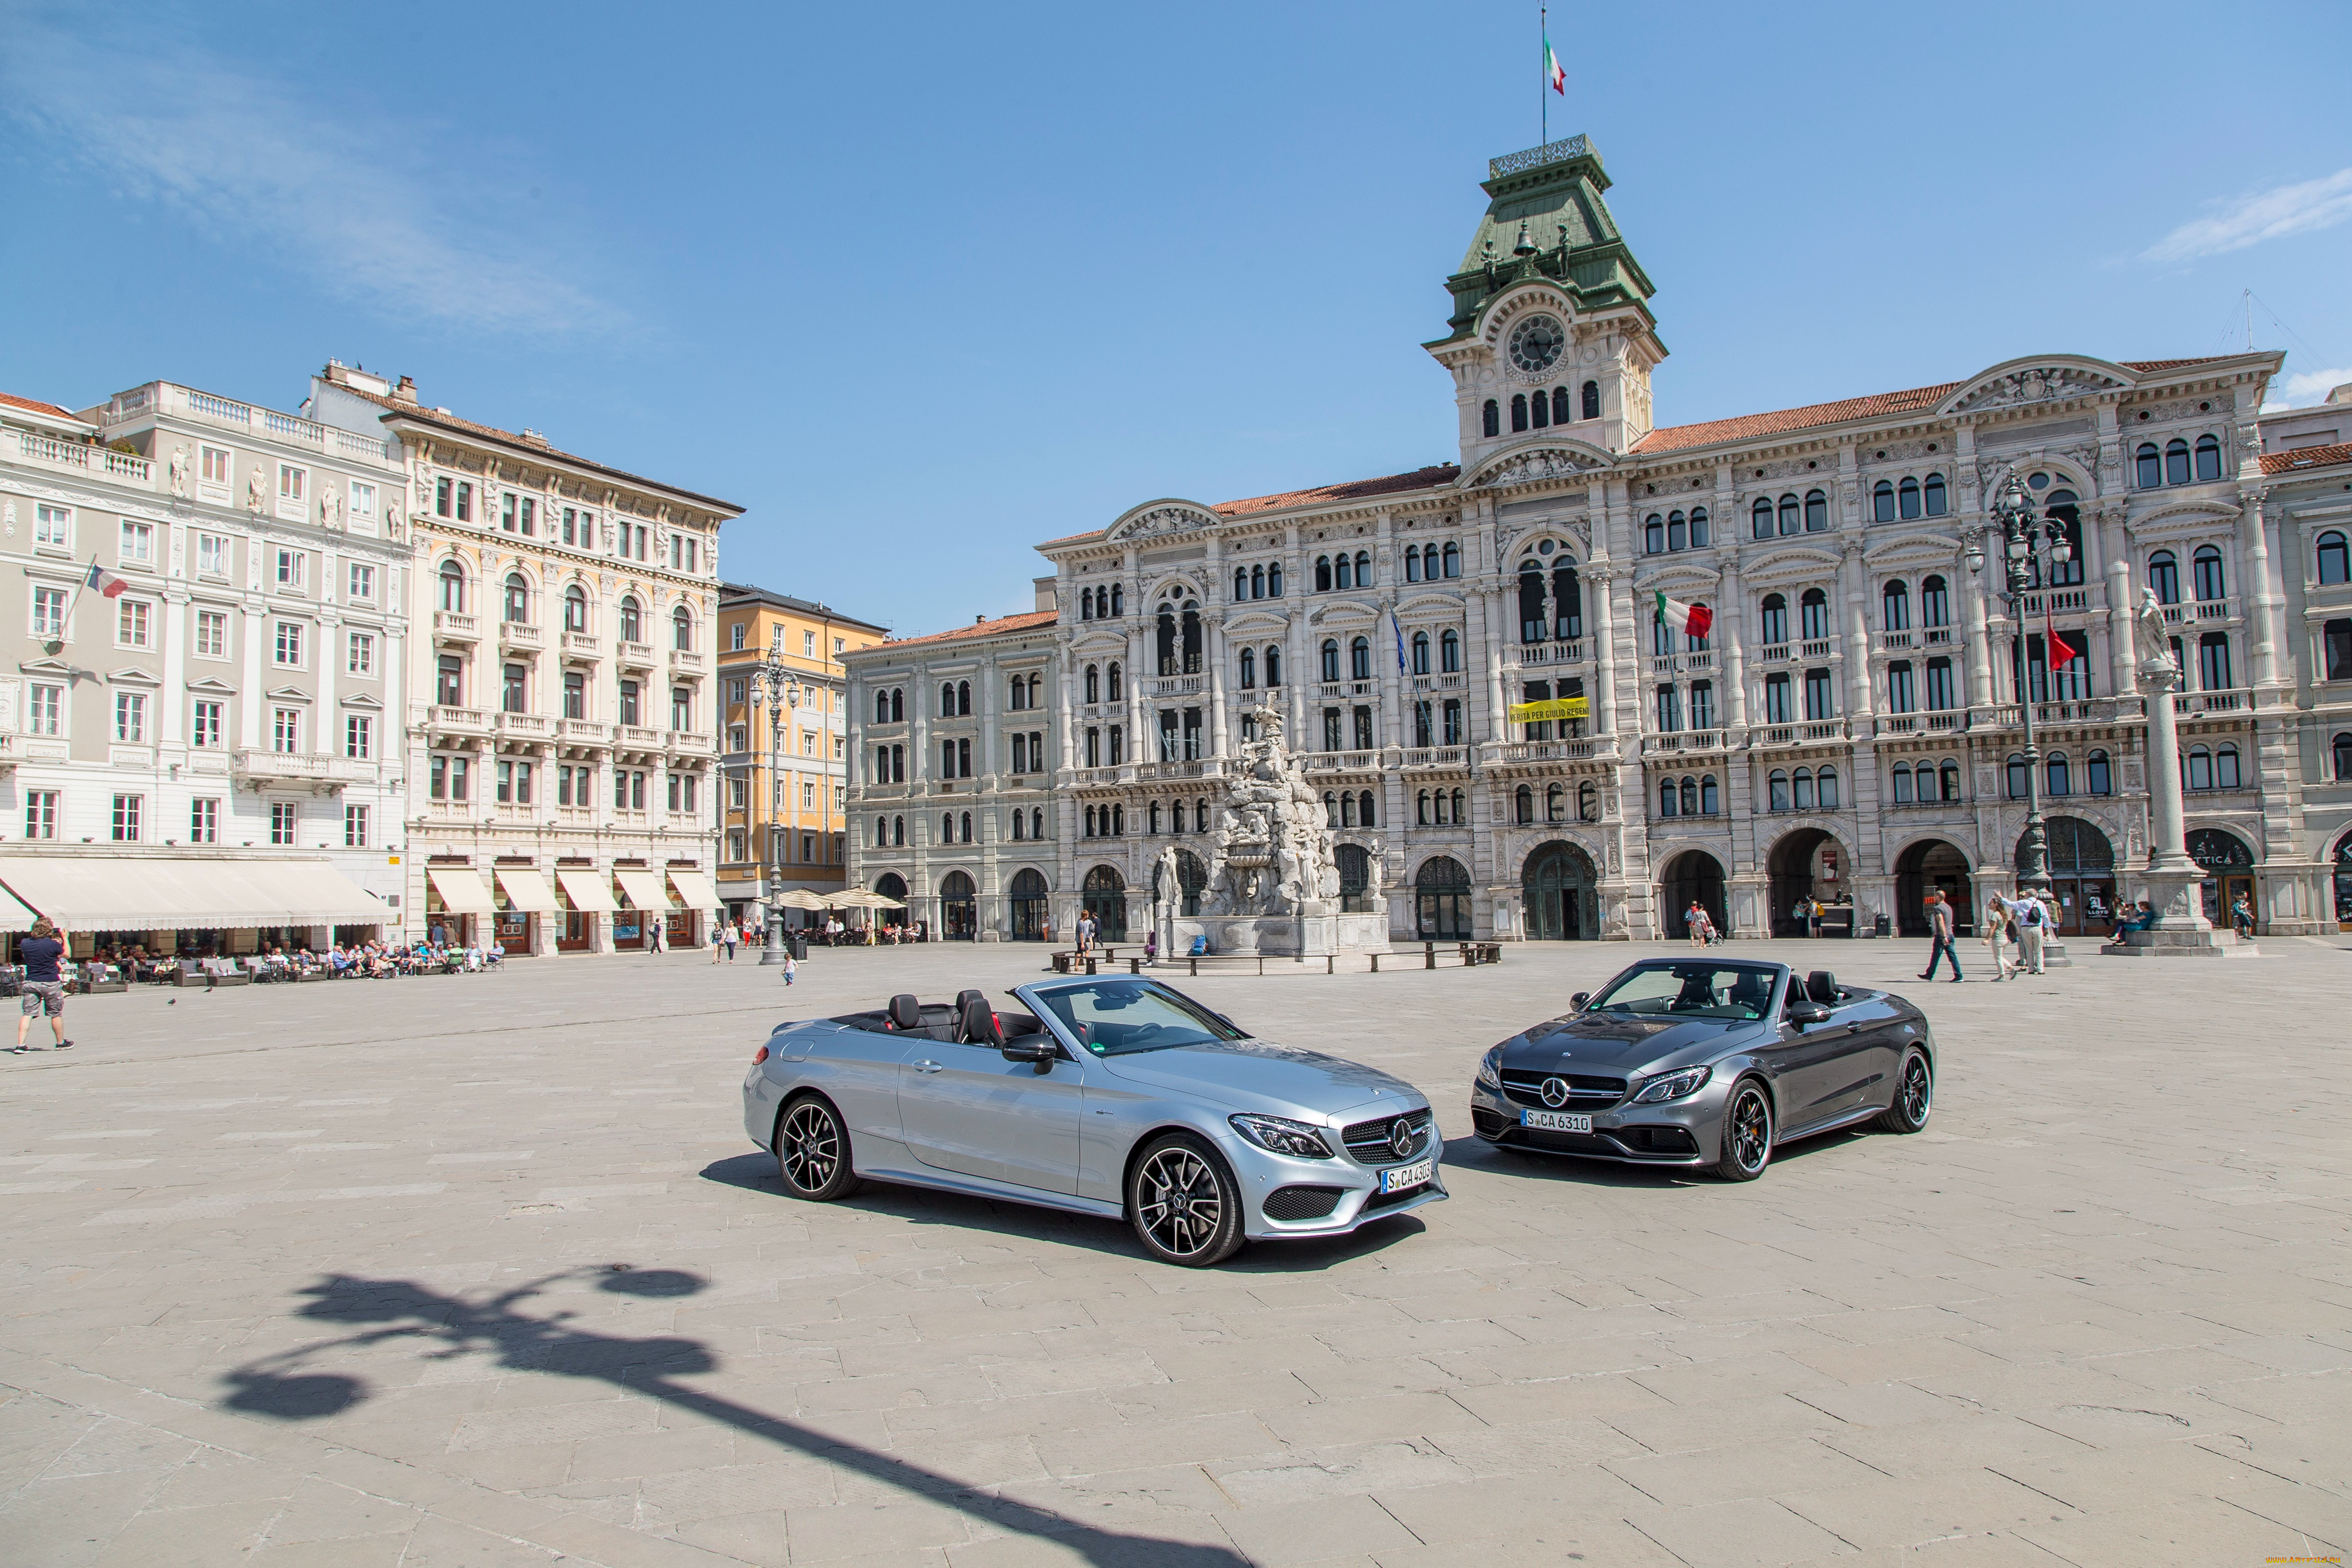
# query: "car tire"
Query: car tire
{"points": [[813, 1156], [1914, 1094], [1183, 1202], [1747, 1133]]}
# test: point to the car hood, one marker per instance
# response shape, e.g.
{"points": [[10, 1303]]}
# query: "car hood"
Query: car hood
{"points": [[1619, 1043], [1258, 1075]]}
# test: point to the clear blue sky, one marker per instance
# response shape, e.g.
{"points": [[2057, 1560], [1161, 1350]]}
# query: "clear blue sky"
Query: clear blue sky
{"points": [[923, 285]]}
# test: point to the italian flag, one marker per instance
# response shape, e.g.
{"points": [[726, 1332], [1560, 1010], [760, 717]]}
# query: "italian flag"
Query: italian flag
{"points": [[1556, 76], [1690, 620]]}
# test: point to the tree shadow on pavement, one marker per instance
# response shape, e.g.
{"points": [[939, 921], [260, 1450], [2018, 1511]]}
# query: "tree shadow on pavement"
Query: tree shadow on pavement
{"points": [[445, 1327]]}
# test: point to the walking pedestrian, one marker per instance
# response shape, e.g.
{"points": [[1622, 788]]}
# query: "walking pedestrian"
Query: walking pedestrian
{"points": [[1997, 937], [1939, 927], [2242, 919], [1694, 921], [718, 940], [45, 989], [2032, 917], [654, 925], [792, 966]]}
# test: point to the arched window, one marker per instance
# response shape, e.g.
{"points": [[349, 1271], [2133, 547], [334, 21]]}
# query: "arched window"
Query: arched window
{"points": [[1555, 802], [1037, 822], [1331, 658], [1090, 823], [1588, 802], [1421, 652], [1560, 413], [1322, 574], [1258, 581], [881, 832], [1690, 797], [681, 629], [1802, 783], [1115, 692], [2197, 768], [1668, 800], [1895, 607], [1934, 602], [2057, 776], [1085, 604], [1452, 560], [1909, 505], [1882, 502], [2098, 776], [1523, 802], [897, 832], [1760, 518], [1826, 785], [881, 707], [1330, 809], [1540, 409], [1249, 668], [1091, 682], [632, 620], [575, 608], [1661, 636], [1709, 801], [1411, 565], [2335, 559], [1934, 495], [1900, 779], [1789, 515], [453, 587], [1678, 531], [1699, 536], [516, 609], [1951, 780], [1241, 583], [1359, 659], [947, 699], [1274, 579], [1817, 512], [1696, 642], [1567, 601], [1449, 652], [947, 826], [2019, 778], [1118, 820], [1654, 534], [2148, 466], [1533, 622], [1420, 807], [1490, 419], [1813, 616], [2209, 458], [898, 704], [1118, 600], [1151, 820], [1273, 665], [1777, 790], [2225, 766], [1519, 412], [1363, 569], [2176, 462], [2206, 567], [1772, 618], [1592, 399], [1020, 826], [1363, 810], [2164, 577], [2343, 749], [1343, 573]]}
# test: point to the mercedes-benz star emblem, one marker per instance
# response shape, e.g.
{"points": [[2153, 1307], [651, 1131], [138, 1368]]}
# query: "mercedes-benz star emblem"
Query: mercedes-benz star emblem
{"points": [[1555, 1092], [1403, 1138]]}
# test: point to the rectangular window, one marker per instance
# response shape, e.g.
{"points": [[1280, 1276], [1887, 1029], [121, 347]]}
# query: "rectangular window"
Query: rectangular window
{"points": [[1776, 699], [676, 781], [359, 736], [48, 611], [465, 501], [204, 820], [138, 543], [285, 821], [1940, 686], [737, 790], [1670, 711], [735, 641], [53, 525], [444, 494], [132, 619], [204, 726], [522, 783], [355, 827], [44, 708], [211, 555], [1818, 702], [506, 502], [293, 568], [290, 643], [359, 657], [362, 499], [128, 809], [629, 703], [735, 847], [516, 696], [211, 634], [214, 465], [637, 791], [506, 781], [1900, 696], [362, 582], [681, 708], [292, 483], [131, 715], [575, 694], [808, 644], [449, 677], [41, 813], [1702, 705], [286, 730]]}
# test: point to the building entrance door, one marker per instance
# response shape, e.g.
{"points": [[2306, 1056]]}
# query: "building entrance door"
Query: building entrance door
{"points": [[1557, 885], [1922, 868], [959, 908], [2081, 876], [1104, 898]]}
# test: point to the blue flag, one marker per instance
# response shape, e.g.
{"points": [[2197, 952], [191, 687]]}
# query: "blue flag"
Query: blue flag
{"points": [[1399, 641]]}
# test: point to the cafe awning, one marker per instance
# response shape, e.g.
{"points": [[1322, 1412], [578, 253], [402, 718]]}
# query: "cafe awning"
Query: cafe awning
{"points": [[645, 889], [527, 889], [694, 889], [587, 889], [163, 893], [462, 890]]}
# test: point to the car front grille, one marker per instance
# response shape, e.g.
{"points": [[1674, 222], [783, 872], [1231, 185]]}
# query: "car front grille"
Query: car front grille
{"points": [[1301, 1202], [1584, 1094], [1369, 1140]]}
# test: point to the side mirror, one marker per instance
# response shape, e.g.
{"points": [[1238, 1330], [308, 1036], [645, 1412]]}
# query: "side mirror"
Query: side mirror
{"points": [[1808, 1012], [1576, 1003], [1029, 1047]]}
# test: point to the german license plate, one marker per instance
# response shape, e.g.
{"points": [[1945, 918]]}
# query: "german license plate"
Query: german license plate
{"points": [[1555, 1121], [1398, 1178]]}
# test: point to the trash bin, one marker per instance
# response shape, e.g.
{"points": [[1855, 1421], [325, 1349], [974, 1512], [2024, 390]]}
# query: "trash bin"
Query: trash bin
{"points": [[799, 945], [1883, 926]]}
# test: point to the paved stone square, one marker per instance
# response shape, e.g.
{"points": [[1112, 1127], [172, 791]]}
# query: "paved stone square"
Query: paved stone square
{"points": [[482, 1271]]}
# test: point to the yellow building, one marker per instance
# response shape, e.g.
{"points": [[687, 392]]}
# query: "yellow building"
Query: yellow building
{"points": [[784, 760]]}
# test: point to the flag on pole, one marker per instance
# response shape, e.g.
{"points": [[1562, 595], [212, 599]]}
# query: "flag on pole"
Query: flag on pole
{"points": [[1692, 620], [1399, 641], [108, 585], [2061, 652], [1552, 73]]}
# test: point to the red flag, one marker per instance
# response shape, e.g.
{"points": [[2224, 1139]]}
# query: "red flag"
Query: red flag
{"points": [[2061, 652]]}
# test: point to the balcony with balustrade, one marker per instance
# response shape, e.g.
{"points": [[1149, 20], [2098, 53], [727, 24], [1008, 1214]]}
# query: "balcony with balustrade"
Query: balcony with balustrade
{"points": [[1809, 732], [1528, 656], [581, 647], [635, 655], [1340, 761], [520, 636], [1437, 758], [319, 771], [1174, 685], [451, 627], [690, 743], [445, 720], [1685, 742], [524, 726], [1506, 753], [1701, 662], [688, 660], [1940, 722], [50, 452]]}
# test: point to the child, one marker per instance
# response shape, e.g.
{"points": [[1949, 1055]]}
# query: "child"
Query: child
{"points": [[792, 966]]}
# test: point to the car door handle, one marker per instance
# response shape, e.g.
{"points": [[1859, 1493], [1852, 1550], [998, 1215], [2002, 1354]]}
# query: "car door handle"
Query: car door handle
{"points": [[928, 1065], [1854, 1029]]}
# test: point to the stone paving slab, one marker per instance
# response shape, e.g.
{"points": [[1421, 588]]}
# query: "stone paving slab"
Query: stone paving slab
{"points": [[481, 1270]]}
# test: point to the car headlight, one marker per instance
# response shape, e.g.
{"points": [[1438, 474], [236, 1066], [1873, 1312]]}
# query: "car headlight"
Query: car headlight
{"points": [[1673, 1086], [1490, 1069], [1276, 1135]]}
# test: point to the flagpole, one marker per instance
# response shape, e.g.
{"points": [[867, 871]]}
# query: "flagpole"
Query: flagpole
{"points": [[1543, 114]]}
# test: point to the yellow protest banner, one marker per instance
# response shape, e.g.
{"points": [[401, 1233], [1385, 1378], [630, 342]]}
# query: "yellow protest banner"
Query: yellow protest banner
{"points": [[1546, 712]]}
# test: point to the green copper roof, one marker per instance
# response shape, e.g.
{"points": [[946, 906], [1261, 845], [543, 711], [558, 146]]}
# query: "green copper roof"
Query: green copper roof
{"points": [[1552, 194]]}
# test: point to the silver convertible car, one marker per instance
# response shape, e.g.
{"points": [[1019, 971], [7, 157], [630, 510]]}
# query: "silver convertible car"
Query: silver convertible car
{"points": [[1709, 1062], [1120, 1097]]}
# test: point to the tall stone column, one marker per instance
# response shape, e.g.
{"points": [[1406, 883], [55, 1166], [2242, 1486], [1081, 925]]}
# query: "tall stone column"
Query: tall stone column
{"points": [[1731, 634], [1214, 626], [1974, 615], [1858, 704], [2171, 879], [1498, 712], [2114, 548], [1604, 699], [2263, 599]]}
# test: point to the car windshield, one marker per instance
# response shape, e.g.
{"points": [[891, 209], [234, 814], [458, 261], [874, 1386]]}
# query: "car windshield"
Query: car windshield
{"points": [[1736, 992], [1111, 1018]]}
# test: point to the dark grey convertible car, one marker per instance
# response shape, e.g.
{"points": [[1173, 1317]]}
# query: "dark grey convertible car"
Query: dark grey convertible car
{"points": [[1709, 1062]]}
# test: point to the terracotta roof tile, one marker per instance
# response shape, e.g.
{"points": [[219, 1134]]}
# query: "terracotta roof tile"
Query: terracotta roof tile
{"points": [[37, 406], [1748, 426], [996, 628], [2304, 458], [1427, 479]]}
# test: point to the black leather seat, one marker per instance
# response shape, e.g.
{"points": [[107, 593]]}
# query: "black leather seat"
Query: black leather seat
{"points": [[906, 1012], [981, 1025], [1822, 987]]}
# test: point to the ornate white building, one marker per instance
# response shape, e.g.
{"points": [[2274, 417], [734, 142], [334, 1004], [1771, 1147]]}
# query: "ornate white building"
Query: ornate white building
{"points": [[1850, 730]]}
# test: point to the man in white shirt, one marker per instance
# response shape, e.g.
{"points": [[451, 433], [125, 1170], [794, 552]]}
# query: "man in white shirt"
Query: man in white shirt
{"points": [[2032, 917]]}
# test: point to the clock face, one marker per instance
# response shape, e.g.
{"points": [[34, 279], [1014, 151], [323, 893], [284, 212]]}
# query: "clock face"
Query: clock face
{"points": [[1535, 344]]}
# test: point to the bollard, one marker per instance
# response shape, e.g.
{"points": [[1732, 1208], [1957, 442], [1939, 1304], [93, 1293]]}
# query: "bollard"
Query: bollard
{"points": [[1429, 951], [1090, 964], [1376, 963], [1193, 964]]}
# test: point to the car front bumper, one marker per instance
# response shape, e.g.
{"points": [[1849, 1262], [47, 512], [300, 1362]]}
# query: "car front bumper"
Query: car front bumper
{"points": [[1686, 1132], [1301, 1188]]}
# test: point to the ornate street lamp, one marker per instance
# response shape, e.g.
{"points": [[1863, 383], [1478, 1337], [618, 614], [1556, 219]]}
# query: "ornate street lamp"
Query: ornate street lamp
{"points": [[775, 686], [2032, 543]]}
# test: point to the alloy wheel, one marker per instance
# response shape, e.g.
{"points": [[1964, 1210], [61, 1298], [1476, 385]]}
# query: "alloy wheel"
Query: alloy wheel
{"points": [[1747, 1135], [1915, 1095], [1183, 1204], [809, 1147]]}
